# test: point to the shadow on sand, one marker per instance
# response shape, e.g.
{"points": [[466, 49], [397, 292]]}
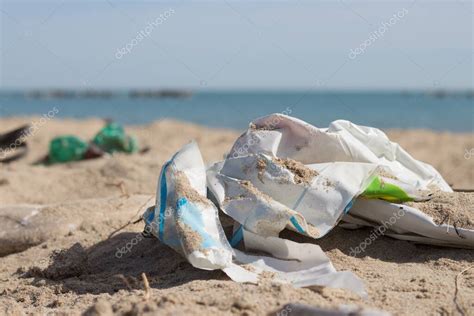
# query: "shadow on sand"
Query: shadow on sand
{"points": [[383, 248], [103, 268]]}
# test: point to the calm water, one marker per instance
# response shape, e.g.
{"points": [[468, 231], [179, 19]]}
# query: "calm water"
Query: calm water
{"points": [[236, 109]]}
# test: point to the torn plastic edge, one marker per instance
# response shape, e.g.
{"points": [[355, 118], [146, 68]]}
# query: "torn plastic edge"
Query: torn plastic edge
{"points": [[163, 198]]}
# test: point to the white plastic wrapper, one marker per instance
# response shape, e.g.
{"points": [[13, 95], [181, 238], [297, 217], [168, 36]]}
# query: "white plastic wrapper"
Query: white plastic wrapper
{"points": [[283, 173], [187, 221], [406, 223], [346, 158], [183, 218], [266, 197], [283, 136]]}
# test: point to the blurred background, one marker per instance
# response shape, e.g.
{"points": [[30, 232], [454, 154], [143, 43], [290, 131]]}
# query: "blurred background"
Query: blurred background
{"points": [[389, 64]]}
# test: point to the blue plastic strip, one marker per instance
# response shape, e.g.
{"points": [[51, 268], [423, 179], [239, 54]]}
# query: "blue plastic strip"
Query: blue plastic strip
{"points": [[348, 207], [191, 215], [163, 196], [150, 217], [297, 225], [237, 237]]}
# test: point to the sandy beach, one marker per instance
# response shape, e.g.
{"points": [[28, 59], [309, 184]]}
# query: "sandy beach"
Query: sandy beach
{"points": [[68, 264]]}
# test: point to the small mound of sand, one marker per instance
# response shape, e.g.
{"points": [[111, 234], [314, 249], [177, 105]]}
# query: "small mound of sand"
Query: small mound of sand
{"points": [[101, 308], [192, 241], [64, 264], [261, 166], [301, 173], [264, 127], [184, 189], [313, 231], [253, 190], [386, 174], [266, 276], [455, 208]]}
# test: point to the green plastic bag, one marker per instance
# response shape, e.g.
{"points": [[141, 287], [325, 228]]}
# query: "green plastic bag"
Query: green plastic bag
{"points": [[66, 148], [112, 138]]}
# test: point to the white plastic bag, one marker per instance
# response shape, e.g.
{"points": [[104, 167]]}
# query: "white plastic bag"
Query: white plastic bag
{"points": [[280, 193], [359, 163], [283, 136], [283, 173], [187, 221]]}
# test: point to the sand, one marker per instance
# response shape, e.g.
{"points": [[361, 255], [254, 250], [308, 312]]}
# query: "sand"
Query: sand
{"points": [[81, 270], [455, 208], [261, 167], [192, 241], [247, 185], [301, 173], [184, 189]]}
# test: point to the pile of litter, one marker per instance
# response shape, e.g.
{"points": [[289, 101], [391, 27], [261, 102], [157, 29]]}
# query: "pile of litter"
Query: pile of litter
{"points": [[111, 138], [283, 173]]}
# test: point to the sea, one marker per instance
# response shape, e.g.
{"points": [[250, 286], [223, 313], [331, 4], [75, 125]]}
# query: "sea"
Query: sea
{"points": [[235, 109]]}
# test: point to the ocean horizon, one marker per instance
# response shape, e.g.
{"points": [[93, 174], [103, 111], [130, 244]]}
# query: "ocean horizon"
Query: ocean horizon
{"points": [[439, 111]]}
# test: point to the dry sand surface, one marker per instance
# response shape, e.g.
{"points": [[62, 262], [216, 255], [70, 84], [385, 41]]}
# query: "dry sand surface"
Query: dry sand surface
{"points": [[69, 265]]}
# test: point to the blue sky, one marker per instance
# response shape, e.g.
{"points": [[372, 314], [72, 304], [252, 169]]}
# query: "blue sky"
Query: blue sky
{"points": [[236, 44]]}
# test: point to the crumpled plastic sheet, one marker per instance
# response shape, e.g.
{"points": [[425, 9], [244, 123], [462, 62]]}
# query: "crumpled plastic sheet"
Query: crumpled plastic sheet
{"points": [[311, 193]]}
